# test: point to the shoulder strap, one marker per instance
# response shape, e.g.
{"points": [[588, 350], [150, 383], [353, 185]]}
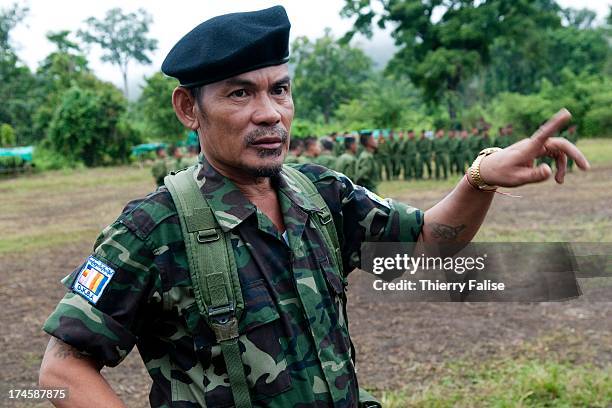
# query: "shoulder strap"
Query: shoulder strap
{"points": [[213, 272]]}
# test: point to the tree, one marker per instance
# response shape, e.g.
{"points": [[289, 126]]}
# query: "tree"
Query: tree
{"points": [[156, 108], [9, 19], [327, 74], [122, 37], [17, 81], [7, 135], [522, 66], [86, 126], [385, 103], [62, 68], [579, 18], [440, 55]]}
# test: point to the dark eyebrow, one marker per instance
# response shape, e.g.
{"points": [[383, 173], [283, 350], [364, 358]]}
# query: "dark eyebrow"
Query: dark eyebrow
{"points": [[239, 82], [245, 83], [283, 81]]}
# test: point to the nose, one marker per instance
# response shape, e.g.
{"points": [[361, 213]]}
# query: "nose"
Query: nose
{"points": [[266, 111]]}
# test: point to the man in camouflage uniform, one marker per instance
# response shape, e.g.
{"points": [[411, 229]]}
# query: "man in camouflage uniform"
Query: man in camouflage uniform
{"points": [[383, 155], [136, 290], [347, 162]]}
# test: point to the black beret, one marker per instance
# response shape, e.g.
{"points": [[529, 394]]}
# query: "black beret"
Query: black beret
{"points": [[229, 45]]}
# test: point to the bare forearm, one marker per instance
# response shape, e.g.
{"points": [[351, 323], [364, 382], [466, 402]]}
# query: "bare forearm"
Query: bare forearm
{"points": [[65, 367], [458, 216]]}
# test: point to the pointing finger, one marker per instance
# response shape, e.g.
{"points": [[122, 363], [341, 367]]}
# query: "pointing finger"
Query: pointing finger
{"points": [[551, 126]]}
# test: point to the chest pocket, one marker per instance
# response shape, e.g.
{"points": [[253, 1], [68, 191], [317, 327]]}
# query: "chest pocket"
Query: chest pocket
{"points": [[336, 286], [262, 347]]}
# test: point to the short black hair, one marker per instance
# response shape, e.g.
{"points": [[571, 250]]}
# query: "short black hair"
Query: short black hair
{"points": [[295, 143], [363, 138], [327, 144], [309, 141], [349, 141]]}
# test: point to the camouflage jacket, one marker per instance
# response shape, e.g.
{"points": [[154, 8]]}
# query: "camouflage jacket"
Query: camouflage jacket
{"points": [[294, 338]]}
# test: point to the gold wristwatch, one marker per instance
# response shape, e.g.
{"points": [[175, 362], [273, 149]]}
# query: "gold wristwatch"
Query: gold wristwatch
{"points": [[474, 170]]}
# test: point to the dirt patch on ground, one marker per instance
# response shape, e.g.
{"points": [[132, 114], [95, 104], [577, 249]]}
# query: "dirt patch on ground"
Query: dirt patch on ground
{"points": [[397, 344]]}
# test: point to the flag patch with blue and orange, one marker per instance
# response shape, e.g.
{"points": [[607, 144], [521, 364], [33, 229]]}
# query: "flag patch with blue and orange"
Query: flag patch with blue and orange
{"points": [[92, 280]]}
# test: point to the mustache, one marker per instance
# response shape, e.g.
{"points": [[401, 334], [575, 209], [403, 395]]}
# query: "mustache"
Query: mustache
{"points": [[276, 130]]}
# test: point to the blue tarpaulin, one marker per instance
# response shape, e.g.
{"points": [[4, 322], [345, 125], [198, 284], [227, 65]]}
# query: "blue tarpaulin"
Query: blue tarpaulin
{"points": [[146, 147], [24, 152]]}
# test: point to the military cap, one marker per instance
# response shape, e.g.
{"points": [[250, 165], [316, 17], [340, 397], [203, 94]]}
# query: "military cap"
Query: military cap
{"points": [[229, 45]]}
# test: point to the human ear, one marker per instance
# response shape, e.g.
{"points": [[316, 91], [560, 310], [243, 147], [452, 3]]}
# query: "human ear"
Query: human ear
{"points": [[185, 107]]}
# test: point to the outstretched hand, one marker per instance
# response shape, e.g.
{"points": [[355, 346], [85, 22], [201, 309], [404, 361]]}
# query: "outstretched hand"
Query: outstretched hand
{"points": [[514, 166]]}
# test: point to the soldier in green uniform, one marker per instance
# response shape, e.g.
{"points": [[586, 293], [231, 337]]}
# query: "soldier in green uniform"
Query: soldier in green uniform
{"points": [[465, 156], [192, 156], [347, 162], [485, 140], [396, 152], [177, 162], [326, 158], [289, 347], [368, 168], [295, 151], [501, 140], [440, 150], [512, 138], [454, 142], [424, 149], [472, 144], [338, 143], [409, 156], [161, 166], [383, 155], [312, 149]]}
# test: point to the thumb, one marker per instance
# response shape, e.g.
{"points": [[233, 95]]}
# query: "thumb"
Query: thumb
{"points": [[534, 175]]}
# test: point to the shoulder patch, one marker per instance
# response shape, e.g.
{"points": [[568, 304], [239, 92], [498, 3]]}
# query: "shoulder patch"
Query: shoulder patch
{"points": [[93, 279]]}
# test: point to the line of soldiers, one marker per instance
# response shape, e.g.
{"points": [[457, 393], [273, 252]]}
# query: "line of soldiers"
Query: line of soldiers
{"points": [[371, 156], [172, 160]]}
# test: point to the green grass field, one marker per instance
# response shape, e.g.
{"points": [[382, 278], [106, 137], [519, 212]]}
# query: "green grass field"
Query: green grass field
{"points": [[535, 375]]}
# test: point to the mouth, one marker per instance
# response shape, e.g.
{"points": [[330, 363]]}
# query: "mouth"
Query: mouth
{"points": [[270, 142]]}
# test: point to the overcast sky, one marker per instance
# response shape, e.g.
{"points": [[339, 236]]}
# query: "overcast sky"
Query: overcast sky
{"points": [[173, 19]]}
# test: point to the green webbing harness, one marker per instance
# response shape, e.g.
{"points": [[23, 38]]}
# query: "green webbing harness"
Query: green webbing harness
{"points": [[212, 266]]}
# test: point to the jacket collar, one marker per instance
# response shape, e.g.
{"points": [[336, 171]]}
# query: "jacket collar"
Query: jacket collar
{"points": [[230, 207]]}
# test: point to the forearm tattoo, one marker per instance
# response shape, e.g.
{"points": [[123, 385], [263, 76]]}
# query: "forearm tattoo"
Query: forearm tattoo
{"points": [[63, 350], [445, 232]]}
